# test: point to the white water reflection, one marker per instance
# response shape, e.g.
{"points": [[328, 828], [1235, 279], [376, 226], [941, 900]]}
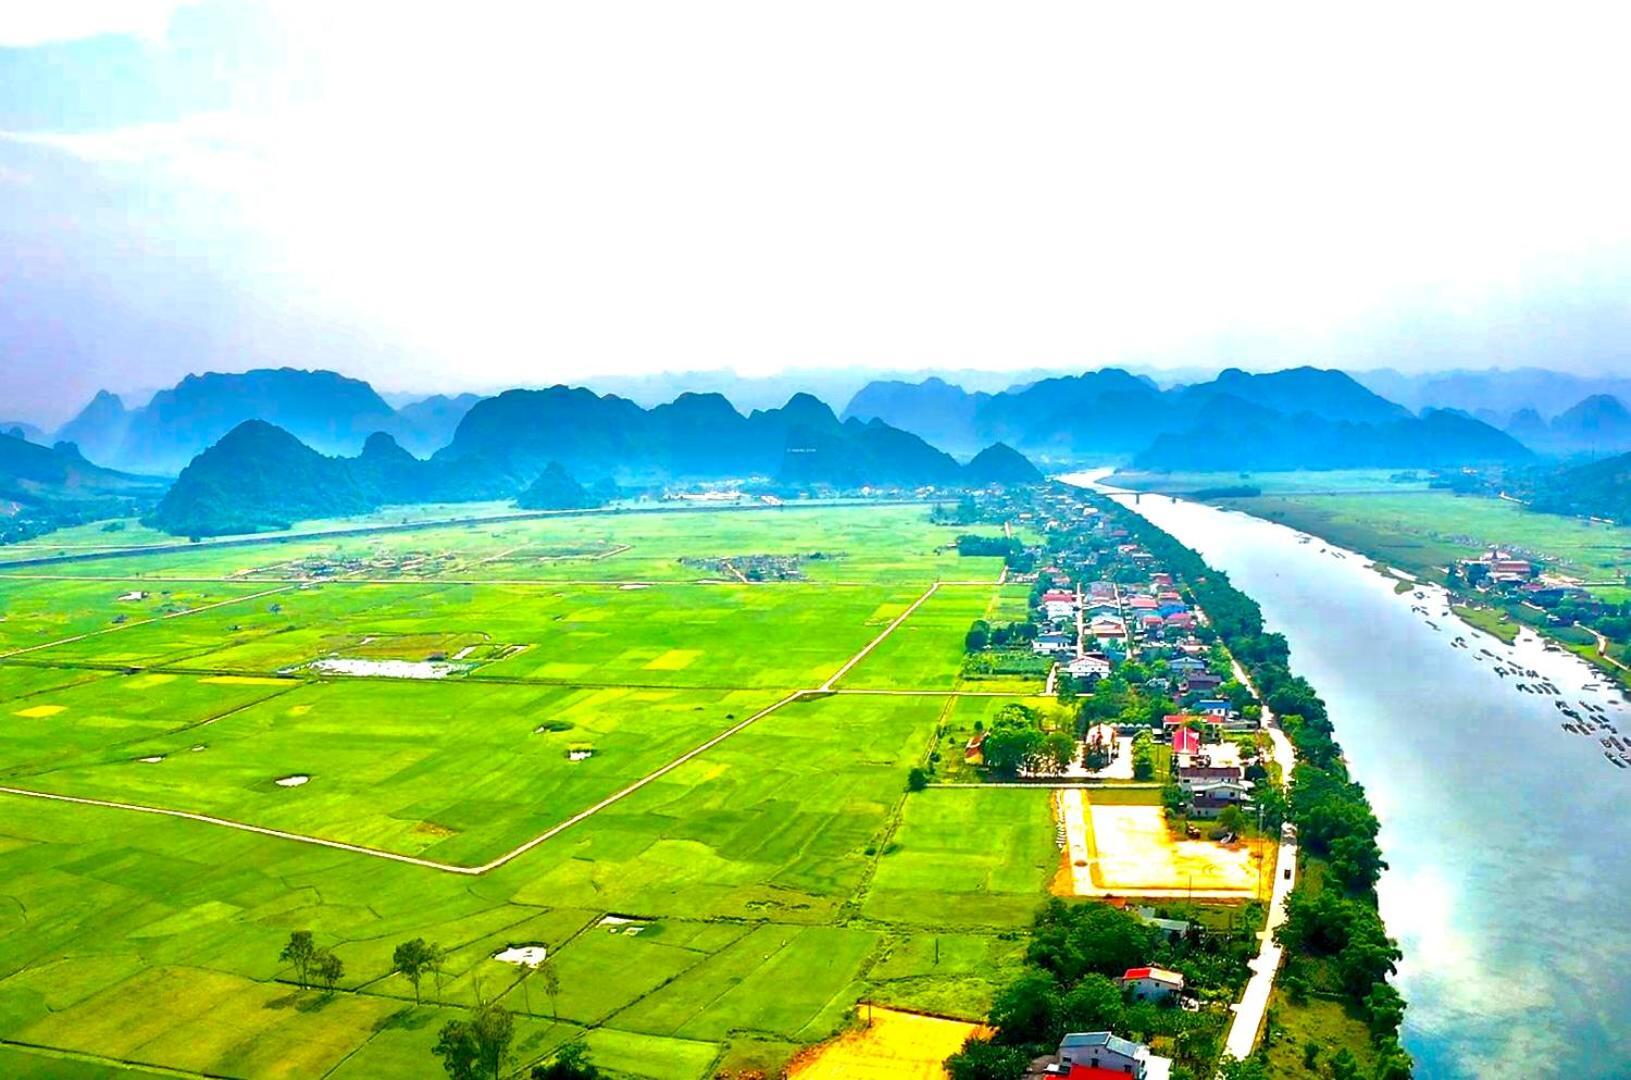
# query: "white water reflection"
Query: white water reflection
{"points": [[1505, 834]]}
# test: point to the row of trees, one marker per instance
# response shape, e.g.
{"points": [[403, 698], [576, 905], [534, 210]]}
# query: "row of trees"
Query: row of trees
{"points": [[1016, 741], [471, 1047]]}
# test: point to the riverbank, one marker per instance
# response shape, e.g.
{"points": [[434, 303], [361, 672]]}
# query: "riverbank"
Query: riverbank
{"points": [[1504, 833], [1336, 947]]}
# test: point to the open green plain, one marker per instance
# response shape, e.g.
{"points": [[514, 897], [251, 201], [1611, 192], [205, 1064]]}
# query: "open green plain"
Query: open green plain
{"points": [[748, 819]]}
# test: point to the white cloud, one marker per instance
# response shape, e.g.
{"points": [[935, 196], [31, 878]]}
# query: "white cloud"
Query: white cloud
{"points": [[26, 23], [629, 187]]}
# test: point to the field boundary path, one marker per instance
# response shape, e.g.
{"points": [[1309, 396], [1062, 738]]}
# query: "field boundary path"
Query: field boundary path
{"points": [[514, 853]]}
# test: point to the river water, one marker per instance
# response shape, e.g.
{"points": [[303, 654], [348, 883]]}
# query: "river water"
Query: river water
{"points": [[1508, 840]]}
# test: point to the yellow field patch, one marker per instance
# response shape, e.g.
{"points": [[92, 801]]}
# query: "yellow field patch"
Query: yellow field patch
{"points": [[896, 1046], [674, 660], [34, 712], [299, 710], [243, 680], [151, 679], [1134, 850]]}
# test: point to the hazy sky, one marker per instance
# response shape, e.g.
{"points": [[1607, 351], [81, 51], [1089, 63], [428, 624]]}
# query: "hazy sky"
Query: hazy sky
{"points": [[440, 195]]}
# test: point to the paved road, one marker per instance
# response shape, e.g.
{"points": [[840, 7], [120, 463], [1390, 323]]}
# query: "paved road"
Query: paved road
{"points": [[1248, 1019]]}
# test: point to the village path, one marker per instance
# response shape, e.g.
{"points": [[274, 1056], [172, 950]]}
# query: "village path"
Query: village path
{"points": [[1253, 1004]]}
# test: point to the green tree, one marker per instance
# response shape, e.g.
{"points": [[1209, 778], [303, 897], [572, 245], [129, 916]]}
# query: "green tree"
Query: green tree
{"points": [[299, 951], [456, 1046], [982, 1060], [1384, 1011], [552, 982], [1058, 751], [571, 1062], [412, 959], [917, 779], [1344, 1066], [493, 1027], [1094, 1004], [1232, 819], [328, 968], [1028, 1009]]}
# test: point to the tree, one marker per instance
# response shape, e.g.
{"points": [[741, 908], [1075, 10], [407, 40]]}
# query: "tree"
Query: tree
{"points": [[1232, 819], [1344, 1066], [1094, 1004], [299, 951], [1028, 1010], [412, 959], [571, 1062], [1058, 751], [977, 637], [456, 1046], [328, 968], [917, 779], [493, 1027], [1384, 1011], [552, 982], [981, 1060]]}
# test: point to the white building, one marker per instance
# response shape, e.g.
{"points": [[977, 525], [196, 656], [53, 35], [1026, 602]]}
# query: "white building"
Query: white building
{"points": [[1153, 984]]}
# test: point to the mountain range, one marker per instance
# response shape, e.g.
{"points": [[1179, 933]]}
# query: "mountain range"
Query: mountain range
{"points": [[1599, 424], [533, 443], [330, 412], [695, 436], [1298, 418]]}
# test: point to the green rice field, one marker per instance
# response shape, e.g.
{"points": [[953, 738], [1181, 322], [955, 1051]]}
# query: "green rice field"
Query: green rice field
{"points": [[588, 734]]}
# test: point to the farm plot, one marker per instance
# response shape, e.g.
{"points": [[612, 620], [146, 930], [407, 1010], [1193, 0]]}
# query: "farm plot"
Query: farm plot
{"points": [[116, 719], [1128, 850], [926, 653], [780, 821], [456, 772], [966, 857], [35, 613]]}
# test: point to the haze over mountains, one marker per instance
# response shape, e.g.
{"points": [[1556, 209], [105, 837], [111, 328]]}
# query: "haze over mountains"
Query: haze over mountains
{"points": [[330, 412], [1298, 418], [252, 447]]}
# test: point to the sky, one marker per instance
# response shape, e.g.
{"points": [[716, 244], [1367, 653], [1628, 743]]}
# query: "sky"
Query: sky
{"points": [[462, 196]]}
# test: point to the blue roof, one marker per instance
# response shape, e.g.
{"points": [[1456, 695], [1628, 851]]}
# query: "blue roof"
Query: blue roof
{"points": [[1114, 1043]]}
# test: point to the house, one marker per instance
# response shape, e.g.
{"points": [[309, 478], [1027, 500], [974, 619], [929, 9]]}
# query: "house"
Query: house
{"points": [[1185, 741], [1052, 643], [1180, 620], [1186, 664], [974, 750], [1107, 626], [1199, 682], [1152, 984], [1143, 603], [1210, 800], [1091, 666], [1189, 776], [1058, 610], [1214, 707], [1095, 1055]]}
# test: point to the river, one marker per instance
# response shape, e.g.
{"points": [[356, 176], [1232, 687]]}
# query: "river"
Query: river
{"points": [[1509, 851]]}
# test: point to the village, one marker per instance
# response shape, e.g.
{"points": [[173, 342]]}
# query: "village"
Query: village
{"points": [[1168, 792]]}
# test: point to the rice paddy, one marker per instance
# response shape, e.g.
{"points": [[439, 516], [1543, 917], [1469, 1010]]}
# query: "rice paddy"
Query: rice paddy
{"points": [[649, 786]]}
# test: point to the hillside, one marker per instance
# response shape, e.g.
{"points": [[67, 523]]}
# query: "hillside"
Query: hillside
{"points": [[934, 409], [1601, 489], [1233, 435], [555, 490], [1000, 463], [260, 477], [696, 436], [47, 487]]}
